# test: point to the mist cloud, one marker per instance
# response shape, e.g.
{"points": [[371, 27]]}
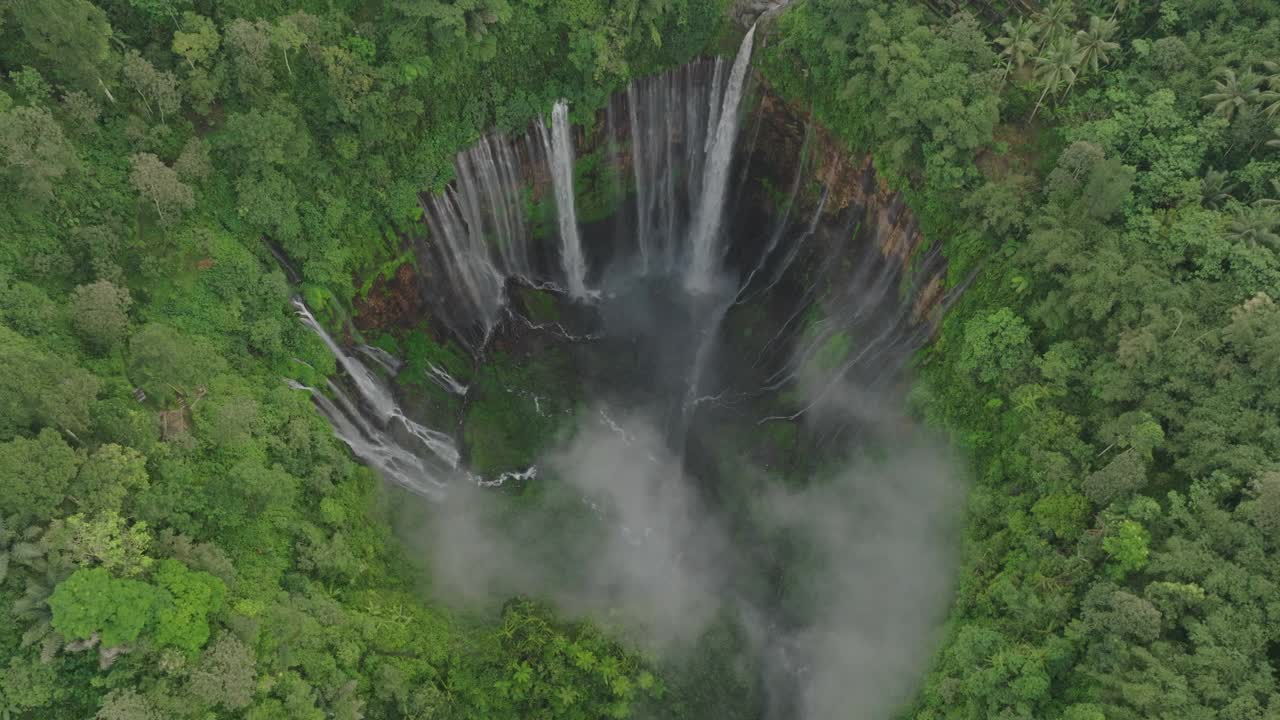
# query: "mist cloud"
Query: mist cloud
{"points": [[623, 528]]}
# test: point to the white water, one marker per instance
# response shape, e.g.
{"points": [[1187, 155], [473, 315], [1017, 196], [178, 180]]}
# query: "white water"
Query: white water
{"points": [[559, 144], [682, 124], [668, 126], [375, 448], [529, 473], [384, 359], [445, 380], [380, 434], [370, 387], [683, 127], [478, 234], [704, 237]]}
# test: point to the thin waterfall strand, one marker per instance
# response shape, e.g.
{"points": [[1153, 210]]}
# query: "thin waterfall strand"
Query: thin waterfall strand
{"points": [[704, 237], [560, 150]]}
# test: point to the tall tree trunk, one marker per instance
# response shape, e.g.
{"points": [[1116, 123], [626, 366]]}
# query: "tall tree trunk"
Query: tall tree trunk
{"points": [[106, 91], [1037, 107]]}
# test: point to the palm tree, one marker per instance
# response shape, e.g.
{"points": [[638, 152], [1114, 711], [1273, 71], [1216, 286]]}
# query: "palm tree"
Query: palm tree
{"points": [[1056, 68], [1270, 100], [1275, 143], [1096, 42], [1271, 97], [1017, 44], [1271, 202], [1231, 92], [1054, 21], [1215, 189], [1255, 226]]}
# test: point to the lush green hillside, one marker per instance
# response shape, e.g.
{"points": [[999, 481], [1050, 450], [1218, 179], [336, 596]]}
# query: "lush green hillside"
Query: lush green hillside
{"points": [[182, 537], [1104, 177]]}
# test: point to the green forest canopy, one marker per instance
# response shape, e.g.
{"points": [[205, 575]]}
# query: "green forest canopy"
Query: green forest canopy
{"points": [[182, 536], [1103, 174], [1110, 174]]}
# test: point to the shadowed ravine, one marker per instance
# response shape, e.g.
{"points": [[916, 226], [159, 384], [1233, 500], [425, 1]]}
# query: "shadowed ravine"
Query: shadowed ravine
{"points": [[739, 325]]}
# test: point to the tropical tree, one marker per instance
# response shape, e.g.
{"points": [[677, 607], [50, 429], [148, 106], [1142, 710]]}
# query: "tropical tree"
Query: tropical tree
{"points": [[287, 35], [196, 39], [72, 36], [1271, 202], [1255, 225], [99, 314], [1215, 189], [34, 153], [1018, 44], [1055, 21], [1232, 92], [160, 184], [1096, 42], [1270, 98], [158, 89], [461, 19], [1057, 68]]}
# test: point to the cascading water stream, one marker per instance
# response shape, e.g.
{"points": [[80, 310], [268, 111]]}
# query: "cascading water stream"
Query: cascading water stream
{"points": [[716, 342], [668, 128], [384, 359], [445, 380], [377, 429], [478, 235], [683, 128], [559, 145], [375, 393], [373, 446], [704, 238]]}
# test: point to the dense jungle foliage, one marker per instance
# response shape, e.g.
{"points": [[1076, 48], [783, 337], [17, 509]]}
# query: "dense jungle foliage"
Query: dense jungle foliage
{"points": [[1104, 177], [181, 535]]}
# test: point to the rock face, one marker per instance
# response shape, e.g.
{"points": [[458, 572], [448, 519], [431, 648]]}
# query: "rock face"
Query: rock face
{"points": [[786, 169], [391, 303], [786, 144], [748, 12], [781, 147]]}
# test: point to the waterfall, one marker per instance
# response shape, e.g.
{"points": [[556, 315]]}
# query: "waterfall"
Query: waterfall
{"points": [[704, 237], [683, 126], [445, 380], [478, 234], [377, 429], [369, 386], [668, 130], [559, 146], [370, 426], [376, 449], [384, 359]]}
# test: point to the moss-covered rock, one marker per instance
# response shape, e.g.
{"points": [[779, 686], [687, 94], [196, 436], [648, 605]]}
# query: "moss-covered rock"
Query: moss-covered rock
{"points": [[518, 408]]}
